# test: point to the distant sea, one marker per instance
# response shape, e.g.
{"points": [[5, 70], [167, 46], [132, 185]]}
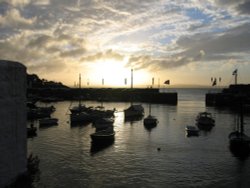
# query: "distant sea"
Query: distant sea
{"points": [[161, 157]]}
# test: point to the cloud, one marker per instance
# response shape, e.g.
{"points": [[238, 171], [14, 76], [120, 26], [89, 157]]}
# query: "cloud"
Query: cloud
{"points": [[155, 64], [232, 44], [240, 6], [65, 45], [42, 52], [244, 7], [19, 2], [13, 18], [72, 53], [109, 54], [154, 35], [218, 46]]}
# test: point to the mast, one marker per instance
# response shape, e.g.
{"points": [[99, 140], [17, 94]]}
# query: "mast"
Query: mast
{"points": [[79, 81], [235, 78], [80, 90], [131, 78], [235, 74]]}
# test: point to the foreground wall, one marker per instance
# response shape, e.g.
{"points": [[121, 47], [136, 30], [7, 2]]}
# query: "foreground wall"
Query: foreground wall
{"points": [[13, 138]]}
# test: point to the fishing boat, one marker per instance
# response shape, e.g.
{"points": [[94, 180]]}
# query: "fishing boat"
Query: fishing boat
{"points": [[192, 130], [239, 141], [81, 117], [205, 119], [103, 123], [48, 121], [150, 121], [134, 111], [78, 109], [107, 135]]}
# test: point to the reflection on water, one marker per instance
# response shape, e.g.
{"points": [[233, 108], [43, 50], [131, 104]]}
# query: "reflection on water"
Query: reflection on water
{"points": [[69, 159], [78, 124], [133, 119], [96, 147], [206, 128], [149, 127], [241, 153]]}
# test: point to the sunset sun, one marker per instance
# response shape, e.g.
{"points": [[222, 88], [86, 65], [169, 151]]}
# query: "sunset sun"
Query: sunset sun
{"points": [[114, 73]]}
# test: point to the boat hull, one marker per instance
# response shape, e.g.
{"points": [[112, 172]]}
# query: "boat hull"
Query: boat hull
{"points": [[107, 135], [103, 138], [192, 131], [239, 144], [45, 122]]}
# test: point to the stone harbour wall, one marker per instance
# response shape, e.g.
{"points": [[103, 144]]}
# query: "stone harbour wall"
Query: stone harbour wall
{"points": [[13, 132]]}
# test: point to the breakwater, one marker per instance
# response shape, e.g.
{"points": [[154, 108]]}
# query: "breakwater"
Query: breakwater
{"points": [[105, 94], [230, 97]]}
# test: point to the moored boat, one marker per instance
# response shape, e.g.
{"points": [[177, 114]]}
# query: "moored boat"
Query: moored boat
{"points": [[48, 121], [31, 131], [239, 141], [205, 119], [78, 109], [150, 121], [134, 111], [192, 130], [103, 123], [107, 135], [81, 117]]}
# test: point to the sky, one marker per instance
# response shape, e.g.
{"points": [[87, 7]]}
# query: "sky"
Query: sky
{"points": [[185, 41]]}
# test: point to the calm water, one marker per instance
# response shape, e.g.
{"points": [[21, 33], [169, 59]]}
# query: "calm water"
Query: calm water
{"points": [[133, 160]]}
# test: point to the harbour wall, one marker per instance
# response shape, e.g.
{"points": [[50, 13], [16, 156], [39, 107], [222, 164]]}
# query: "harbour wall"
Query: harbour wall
{"points": [[230, 97], [107, 94], [13, 138]]}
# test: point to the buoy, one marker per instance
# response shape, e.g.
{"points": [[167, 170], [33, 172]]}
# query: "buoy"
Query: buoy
{"points": [[159, 149]]}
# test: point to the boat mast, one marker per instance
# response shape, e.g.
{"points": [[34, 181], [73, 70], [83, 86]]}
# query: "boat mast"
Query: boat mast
{"points": [[79, 81], [235, 78], [131, 78], [235, 73], [80, 89]]}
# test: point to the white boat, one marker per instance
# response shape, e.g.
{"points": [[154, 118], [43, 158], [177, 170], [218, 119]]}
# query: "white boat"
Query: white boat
{"points": [[134, 111], [192, 130], [103, 123], [48, 121], [205, 119]]}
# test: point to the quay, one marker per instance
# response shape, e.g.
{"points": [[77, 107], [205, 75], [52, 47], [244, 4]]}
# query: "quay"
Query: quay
{"points": [[150, 95], [230, 97]]}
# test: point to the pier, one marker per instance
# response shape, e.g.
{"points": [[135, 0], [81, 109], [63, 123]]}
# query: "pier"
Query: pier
{"points": [[106, 94], [230, 97]]}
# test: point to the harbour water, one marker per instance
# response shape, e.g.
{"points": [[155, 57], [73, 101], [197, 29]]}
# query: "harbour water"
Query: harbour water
{"points": [[161, 157]]}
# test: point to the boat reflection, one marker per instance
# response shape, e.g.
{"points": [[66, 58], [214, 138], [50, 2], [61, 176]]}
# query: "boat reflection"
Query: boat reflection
{"points": [[133, 119], [239, 152], [99, 146], [78, 124], [205, 128], [149, 127], [191, 131]]}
